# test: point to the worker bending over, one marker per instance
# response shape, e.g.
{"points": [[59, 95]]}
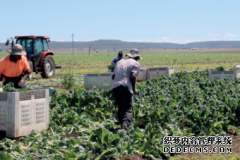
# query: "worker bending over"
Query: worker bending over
{"points": [[118, 58], [15, 67], [123, 88]]}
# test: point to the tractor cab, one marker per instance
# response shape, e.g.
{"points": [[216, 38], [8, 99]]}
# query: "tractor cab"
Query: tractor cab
{"points": [[39, 57]]}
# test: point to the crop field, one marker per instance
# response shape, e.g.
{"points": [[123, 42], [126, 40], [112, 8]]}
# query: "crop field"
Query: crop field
{"points": [[97, 62], [188, 60], [84, 123]]}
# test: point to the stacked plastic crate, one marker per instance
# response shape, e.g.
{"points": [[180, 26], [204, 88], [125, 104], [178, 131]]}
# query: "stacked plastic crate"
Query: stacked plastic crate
{"points": [[22, 112]]}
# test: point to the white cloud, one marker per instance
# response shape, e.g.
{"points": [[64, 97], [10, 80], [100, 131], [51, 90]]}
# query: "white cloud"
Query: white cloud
{"points": [[59, 41], [167, 40], [138, 40], [229, 35], [86, 40], [214, 39], [75, 40], [212, 34]]}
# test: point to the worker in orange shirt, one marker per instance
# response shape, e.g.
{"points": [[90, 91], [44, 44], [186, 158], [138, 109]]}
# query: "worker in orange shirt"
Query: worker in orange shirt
{"points": [[15, 67]]}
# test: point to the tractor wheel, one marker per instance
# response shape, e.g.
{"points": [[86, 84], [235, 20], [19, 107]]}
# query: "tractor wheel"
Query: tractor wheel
{"points": [[31, 70], [48, 67]]}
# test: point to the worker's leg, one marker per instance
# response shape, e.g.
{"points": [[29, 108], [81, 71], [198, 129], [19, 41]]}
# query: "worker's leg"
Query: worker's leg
{"points": [[118, 100], [127, 107]]}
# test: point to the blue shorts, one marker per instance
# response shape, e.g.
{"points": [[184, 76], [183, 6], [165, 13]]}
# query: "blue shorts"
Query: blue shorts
{"points": [[24, 86]]}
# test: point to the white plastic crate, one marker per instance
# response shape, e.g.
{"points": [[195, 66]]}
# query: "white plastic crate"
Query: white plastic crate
{"points": [[22, 112], [218, 75], [142, 75], [99, 80], [51, 90], [159, 71]]}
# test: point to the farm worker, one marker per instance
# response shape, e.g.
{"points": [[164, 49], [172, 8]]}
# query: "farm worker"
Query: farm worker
{"points": [[118, 58], [15, 67], [123, 87]]}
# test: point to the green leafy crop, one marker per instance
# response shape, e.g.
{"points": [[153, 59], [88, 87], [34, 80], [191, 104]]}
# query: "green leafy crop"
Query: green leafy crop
{"points": [[84, 126], [112, 66], [9, 87], [5, 156], [221, 68]]}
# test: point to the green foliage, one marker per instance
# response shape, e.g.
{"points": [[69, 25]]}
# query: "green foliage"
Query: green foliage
{"points": [[112, 66], [163, 107], [25, 89], [9, 87], [68, 80], [5, 156], [70, 155], [233, 68], [221, 68]]}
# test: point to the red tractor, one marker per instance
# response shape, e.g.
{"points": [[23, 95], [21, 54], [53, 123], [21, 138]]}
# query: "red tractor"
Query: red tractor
{"points": [[39, 57]]}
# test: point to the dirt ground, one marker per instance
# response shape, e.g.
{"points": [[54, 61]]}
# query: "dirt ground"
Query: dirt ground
{"points": [[135, 157]]}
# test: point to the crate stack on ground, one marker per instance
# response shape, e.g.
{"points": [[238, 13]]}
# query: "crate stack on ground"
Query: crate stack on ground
{"points": [[142, 75], [159, 71], [218, 75], [98, 80], [104, 80], [22, 112]]}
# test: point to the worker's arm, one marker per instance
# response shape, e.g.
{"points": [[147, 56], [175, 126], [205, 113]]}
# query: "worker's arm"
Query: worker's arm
{"points": [[2, 67], [22, 81], [114, 61], [133, 76], [113, 75], [133, 80], [27, 72], [25, 76]]}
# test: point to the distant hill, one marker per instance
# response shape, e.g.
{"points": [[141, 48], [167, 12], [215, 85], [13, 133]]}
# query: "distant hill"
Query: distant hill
{"points": [[117, 44]]}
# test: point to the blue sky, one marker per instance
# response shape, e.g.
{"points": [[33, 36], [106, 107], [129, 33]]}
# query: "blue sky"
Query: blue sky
{"points": [[177, 21]]}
